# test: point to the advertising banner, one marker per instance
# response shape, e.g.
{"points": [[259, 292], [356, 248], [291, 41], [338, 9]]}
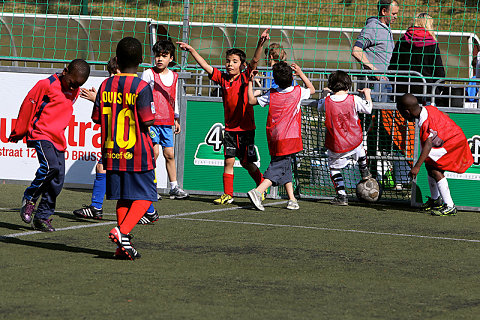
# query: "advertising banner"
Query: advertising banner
{"points": [[83, 136], [203, 169]]}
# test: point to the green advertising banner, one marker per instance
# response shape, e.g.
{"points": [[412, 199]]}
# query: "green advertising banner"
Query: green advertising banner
{"points": [[203, 166], [463, 187]]}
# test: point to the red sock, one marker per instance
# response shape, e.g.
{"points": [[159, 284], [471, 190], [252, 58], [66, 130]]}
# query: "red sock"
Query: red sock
{"points": [[257, 176], [122, 209], [228, 183], [135, 213]]}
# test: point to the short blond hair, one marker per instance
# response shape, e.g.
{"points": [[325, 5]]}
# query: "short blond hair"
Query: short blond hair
{"points": [[425, 20], [275, 52]]}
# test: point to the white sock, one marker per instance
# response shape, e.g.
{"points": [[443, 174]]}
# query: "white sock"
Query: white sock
{"points": [[433, 188], [445, 192], [173, 184]]}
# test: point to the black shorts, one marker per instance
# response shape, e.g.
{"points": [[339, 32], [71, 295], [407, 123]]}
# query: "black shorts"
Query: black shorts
{"points": [[240, 144], [128, 185], [279, 170]]}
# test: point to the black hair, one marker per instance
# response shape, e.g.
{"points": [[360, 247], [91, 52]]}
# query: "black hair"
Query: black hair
{"points": [[79, 67], [338, 81], [240, 53], [112, 66], [385, 4], [282, 74], [163, 47], [129, 53]]}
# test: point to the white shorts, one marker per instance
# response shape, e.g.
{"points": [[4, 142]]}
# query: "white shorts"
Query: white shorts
{"points": [[340, 160]]}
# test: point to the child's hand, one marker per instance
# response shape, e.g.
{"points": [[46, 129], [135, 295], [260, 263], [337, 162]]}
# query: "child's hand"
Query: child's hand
{"points": [[253, 74], [177, 127], [88, 94], [264, 37], [414, 172], [297, 69], [185, 46], [365, 91]]}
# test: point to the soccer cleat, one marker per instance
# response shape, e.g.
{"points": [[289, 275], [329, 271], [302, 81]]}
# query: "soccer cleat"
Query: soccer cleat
{"points": [[224, 199], [177, 193], [123, 243], [444, 210], [44, 225], [292, 205], [26, 212], [159, 196], [432, 204], [120, 255], [149, 218], [339, 200], [256, 198], [89, 212], [365, 173]]}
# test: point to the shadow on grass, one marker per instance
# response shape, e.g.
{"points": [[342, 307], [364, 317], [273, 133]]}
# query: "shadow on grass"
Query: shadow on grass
{"points": [[58, 247], [12, 226]]}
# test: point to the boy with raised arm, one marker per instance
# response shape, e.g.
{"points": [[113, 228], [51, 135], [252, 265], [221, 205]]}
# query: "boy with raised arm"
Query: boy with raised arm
{"points": [[284, 129], [239, 133]]}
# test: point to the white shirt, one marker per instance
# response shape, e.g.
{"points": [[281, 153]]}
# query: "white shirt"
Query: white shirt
{"points": [[265, 99], [361, 105], [167, 80]]}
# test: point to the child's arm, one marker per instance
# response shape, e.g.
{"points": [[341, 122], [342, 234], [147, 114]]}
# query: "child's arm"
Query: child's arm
{"points": [[258, 51], [306, 81], [252, 99], [367, 93], [27, 111], [204, 64], [426, 148]]}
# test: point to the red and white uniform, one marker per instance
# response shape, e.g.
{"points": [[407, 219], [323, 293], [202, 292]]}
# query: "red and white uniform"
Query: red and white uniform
{"points": [[164, 88], [238, 112], [450, 151], [344, 130], [284, 122], [338, 108], [46, 112]]}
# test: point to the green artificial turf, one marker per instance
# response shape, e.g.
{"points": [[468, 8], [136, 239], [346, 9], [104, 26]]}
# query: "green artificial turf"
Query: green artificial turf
{"points": [[319, 262]]}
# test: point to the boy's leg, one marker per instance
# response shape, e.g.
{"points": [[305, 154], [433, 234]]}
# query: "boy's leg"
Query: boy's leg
{"points": [[94, 210], [435, 201], [52, 184], [292, 203], [227, 196], [448, 208], [339, 185]]}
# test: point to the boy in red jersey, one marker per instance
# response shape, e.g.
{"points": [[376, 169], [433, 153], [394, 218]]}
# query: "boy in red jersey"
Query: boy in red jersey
{"points": [[124, 108], [164, 84], [239, 135], [344, 135], [284, 129], [43, 117], [444, 148]]}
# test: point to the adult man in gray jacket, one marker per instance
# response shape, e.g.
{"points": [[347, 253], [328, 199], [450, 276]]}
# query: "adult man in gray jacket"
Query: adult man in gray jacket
{"points": [[374, 45]]}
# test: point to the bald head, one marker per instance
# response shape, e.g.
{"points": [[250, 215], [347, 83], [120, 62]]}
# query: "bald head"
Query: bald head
{"points": [[408, 106]]}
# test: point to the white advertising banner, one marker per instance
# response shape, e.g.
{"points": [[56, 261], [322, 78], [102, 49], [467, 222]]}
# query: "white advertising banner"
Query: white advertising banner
{"points": [[83, 136]]}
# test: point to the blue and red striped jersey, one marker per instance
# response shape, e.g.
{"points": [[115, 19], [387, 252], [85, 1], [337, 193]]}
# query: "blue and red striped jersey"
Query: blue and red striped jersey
{"points": [[124, 103]]}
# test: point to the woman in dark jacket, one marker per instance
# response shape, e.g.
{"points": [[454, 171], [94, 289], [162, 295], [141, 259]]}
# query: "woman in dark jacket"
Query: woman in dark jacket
{"points": [[417, 50]]}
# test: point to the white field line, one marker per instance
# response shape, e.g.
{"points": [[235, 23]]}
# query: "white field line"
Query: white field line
{"points": [[328, 229], [91, 225], [180, 216]]}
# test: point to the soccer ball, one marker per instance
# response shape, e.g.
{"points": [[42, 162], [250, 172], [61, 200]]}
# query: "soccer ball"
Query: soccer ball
{"points": [[368, 190]]}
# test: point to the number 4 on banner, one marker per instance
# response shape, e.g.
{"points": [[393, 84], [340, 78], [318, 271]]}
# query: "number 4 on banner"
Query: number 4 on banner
{"points": [[214, 136]]}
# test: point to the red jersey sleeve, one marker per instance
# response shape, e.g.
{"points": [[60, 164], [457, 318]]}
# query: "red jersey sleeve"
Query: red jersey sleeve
{"points": [[27, 110], [216, 76]]}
